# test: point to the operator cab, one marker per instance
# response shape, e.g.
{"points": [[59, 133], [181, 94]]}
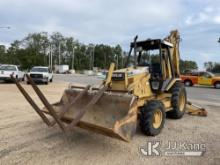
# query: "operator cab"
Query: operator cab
{"points": [[154, 54]]}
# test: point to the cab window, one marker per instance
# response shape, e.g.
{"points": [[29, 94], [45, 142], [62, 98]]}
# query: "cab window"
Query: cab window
{"points": [[8, 68], [194, 73], [205, 74]]}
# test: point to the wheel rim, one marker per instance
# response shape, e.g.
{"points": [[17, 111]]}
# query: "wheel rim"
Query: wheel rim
{"points": [[217, 85], [182, 102], [187, 83], [157, 119]]}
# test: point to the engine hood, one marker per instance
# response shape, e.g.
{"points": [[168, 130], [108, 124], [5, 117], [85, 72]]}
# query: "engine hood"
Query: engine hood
{"points": [[43, 73], [133, 71]]}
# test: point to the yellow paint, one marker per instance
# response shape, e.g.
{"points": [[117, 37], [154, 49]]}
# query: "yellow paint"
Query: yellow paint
{"points": [[172, 83], [157, 119], [204, 80], [174, 38], [110, 71]]}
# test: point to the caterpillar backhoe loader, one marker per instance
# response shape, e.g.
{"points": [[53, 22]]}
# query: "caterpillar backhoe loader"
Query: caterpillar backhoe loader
{"points": [[144, 92]]}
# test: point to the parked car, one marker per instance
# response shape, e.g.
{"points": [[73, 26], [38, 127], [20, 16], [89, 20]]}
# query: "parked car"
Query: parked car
{"points": [[41, 74], [7, 70], [201, 78]]}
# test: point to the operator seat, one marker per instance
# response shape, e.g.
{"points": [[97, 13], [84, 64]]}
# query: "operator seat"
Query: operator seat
{"points": [[155, 70]]}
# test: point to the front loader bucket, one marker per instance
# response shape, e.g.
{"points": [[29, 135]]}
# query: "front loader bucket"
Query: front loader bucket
{"points": [[98, 110], [112, 115]]}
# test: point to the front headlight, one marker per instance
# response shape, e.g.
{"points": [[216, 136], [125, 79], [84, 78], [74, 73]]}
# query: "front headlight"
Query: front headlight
{"points": [[45, 76]]}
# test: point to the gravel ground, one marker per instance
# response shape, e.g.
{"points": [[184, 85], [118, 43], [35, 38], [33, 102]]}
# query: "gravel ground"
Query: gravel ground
{"points": [[25, 139]]}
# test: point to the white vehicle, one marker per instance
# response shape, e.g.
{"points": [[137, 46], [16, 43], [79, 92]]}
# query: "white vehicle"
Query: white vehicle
{"points": [[7, 70], [61, 68], [41, 74]]}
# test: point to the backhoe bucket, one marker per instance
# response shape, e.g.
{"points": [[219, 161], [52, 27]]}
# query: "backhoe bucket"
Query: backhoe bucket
{"points": [[194, 109], [112, 115]]}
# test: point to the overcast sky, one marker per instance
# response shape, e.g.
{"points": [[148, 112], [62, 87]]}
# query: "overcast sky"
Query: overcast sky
{"points": [[117, 21]]}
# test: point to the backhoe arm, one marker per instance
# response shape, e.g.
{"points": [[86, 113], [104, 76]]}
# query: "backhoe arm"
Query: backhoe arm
{"points": [[174, 38]]}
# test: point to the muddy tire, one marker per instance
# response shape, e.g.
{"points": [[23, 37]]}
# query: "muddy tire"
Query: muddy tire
{"points": [[178, 101], [152, 118]]}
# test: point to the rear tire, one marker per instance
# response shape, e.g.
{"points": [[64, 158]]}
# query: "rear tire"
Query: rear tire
{"points": [[152, 118], [217, 85], [178, 101]]}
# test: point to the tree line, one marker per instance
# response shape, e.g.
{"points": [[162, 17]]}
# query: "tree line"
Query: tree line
{"points": [[35, 49], [187, 65], [212, 66]]}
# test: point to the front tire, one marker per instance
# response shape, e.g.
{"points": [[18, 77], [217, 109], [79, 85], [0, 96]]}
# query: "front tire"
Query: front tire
{"points": [[178, 101], [17, 78], [46, 82], [152, 118]]}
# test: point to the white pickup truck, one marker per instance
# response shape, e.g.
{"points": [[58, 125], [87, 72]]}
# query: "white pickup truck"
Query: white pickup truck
{"points": [[7, 70], [41, 74]]}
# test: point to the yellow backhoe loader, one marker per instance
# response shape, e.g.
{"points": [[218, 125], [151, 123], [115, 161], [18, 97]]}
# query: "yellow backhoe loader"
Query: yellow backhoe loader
{"points": [[145, 92]]}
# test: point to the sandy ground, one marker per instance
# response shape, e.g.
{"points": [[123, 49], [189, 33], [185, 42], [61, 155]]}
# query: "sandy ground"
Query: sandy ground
{"points": [[25, 139]]}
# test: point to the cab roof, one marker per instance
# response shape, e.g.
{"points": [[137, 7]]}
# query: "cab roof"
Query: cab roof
{"points": [[151, 44]]}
